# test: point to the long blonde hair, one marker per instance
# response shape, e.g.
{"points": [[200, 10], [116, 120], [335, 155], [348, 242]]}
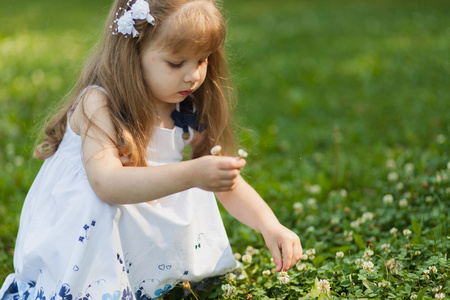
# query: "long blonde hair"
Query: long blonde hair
{"points": [[116, 67]]}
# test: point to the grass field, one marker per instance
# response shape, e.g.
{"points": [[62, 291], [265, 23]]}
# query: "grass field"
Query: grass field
{"points": [[343, 106]]}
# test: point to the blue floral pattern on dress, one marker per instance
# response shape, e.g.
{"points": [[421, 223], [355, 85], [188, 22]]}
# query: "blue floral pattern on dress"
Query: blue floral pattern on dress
{"points": [[86, 228]]}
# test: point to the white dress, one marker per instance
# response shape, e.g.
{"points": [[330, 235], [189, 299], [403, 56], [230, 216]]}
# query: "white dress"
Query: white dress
{"points": [[71, 245]]}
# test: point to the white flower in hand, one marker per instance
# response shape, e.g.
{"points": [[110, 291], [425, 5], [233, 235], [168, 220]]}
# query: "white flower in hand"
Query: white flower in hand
{"points": [[242, 153], [216, 150]]}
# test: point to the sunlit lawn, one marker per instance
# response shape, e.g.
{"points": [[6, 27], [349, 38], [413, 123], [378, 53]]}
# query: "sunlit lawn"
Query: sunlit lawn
{"points": [[338, 100]]}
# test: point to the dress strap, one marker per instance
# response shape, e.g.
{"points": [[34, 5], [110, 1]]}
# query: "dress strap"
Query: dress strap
{"points": [[75, 103]]}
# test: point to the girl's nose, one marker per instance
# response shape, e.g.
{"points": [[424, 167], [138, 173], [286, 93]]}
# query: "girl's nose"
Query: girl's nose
{"points": [[193, 75]]}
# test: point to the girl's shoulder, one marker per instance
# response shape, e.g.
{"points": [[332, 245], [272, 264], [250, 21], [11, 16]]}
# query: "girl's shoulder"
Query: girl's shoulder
{"points": [[90, 106]]}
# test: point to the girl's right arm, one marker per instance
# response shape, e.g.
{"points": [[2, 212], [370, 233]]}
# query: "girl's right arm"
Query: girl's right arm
{"points": [[115, 184]]}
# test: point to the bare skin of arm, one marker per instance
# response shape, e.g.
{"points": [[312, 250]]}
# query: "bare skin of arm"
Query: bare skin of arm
{"points": [[244, 203]]}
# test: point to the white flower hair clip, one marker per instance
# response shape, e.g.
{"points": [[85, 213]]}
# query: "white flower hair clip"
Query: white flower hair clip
{"points": [[140, 10]]}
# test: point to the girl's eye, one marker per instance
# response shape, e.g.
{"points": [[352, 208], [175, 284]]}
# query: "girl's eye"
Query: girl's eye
{"points": [[175, 65]]}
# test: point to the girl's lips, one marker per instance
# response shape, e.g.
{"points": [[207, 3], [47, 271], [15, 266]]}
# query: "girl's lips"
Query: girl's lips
{"points": [[185, 93]]}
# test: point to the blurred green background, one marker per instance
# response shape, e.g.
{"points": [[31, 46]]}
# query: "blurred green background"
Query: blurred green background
{"points": [[326, 89]]}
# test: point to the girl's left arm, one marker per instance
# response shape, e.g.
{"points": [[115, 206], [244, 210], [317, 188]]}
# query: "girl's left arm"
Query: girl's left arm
{"points": [[245, 204]]}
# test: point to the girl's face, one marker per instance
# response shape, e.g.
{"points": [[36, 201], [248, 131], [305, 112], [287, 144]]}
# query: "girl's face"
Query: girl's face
{"points": [[171, 77]]}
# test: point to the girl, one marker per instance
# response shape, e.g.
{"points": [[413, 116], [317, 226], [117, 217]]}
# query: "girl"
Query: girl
{"points": [[115, 212]]}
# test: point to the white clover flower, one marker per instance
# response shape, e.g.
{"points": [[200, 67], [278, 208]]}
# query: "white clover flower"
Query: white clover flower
{"points": [[237, 256], [428, 199], [304, 256], [403, 202], [386, 248], [298, 208], [368, 254], [332, 194], [228, 290], [407, 233], [301, 266], [394, 266], [448, 165], [355, 224], [441, 139], [433, 269], [242, 153], [390, 164], [251, 251], [417, 252], [266, 272], [247, 258], [310, 229], [407, 195], [392, 176], [368, 266], [388, 199], [399, 186], [348, 235], [125, 24], [312, 202], [367, 216], [324, 286], [311, 253], [409, 168], [440, 177], [230, 276], [359, 262], [335, 220], [393, 231], [284, 278], [339, 254], [413, 296], [426, 274], [315, 189], [216, 150], [439, 296], [343, 193]]}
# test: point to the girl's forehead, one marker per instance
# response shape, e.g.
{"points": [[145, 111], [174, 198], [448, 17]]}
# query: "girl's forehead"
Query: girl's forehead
{"points": [[189, 52], [183, 51]]}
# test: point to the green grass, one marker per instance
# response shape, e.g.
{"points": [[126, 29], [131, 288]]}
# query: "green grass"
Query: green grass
{"points": [[328, 92]]}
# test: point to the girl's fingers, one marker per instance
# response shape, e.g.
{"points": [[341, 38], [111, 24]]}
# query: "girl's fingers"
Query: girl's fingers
{"points": [[294, 253], [276, 255], [298, 251], [287, 255], [230, 163]]}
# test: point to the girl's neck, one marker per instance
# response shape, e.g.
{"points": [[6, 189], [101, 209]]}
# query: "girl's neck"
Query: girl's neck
{"points": [[163, 115]]}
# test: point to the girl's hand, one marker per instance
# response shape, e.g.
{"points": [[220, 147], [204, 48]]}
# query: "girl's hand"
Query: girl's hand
{"points": [[217, 174], [284, 245]]}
